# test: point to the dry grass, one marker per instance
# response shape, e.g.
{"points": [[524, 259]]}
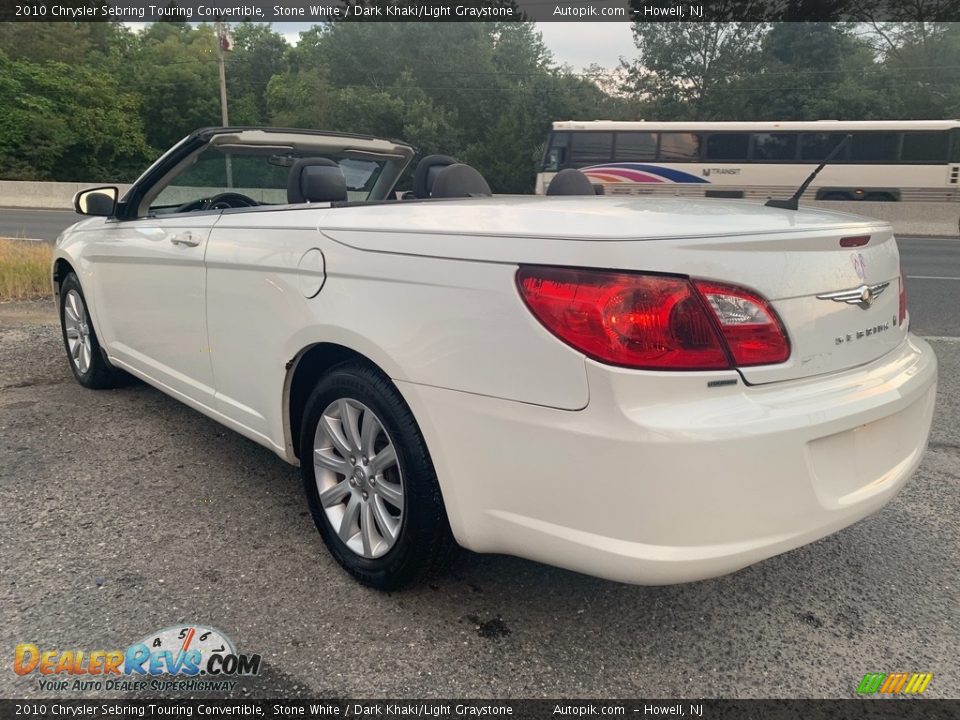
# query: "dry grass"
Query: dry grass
{"points": [[24, 269]]}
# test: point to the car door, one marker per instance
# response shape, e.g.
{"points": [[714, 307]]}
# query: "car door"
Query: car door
{"points": [[264, 269], [149, 288], [151, 277]]}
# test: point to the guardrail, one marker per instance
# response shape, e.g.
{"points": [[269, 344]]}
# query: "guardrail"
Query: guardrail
{"points": [[907, 218]]}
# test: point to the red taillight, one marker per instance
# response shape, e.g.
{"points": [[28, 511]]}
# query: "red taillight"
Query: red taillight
{"points": [[639, 321], [903, 299], [654, 322], [749, 325]]}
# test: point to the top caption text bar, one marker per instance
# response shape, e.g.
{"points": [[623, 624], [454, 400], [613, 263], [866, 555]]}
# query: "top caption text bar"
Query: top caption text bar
{"points": [[479, 11]]}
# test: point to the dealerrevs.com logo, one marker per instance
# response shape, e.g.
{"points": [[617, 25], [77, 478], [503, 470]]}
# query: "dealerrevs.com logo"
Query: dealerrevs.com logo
{"points": [[191, 658]]}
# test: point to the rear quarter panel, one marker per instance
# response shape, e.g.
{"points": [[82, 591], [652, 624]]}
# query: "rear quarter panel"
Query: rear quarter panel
{"points": [[441, 322]]}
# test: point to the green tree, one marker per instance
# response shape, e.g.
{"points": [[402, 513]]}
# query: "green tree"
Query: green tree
{"points": [[813, 71], [300, 99], [482, 92], [258, 55], [106, 46], [175, 72], [684, 70], [55, 125], [921, 61], [46, 41]]}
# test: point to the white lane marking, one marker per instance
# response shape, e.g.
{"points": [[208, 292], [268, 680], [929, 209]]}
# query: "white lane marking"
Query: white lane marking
{"points": [[931, 277], [935, 238], [942, 338]]}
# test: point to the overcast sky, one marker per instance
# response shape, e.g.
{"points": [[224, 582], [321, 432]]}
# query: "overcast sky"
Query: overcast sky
{"points": [[578, 44]]}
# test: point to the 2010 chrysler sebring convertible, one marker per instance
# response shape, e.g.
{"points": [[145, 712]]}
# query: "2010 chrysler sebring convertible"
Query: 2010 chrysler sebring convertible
{"points": [[647, 390]]}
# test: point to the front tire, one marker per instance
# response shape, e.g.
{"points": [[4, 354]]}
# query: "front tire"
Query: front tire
{"points": [[369, 480], [86, 358]]}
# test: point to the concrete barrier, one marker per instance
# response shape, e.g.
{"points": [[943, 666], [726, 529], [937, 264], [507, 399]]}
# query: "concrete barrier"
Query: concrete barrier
{"points": [[907, 218], [43, 195], [59, 195]]}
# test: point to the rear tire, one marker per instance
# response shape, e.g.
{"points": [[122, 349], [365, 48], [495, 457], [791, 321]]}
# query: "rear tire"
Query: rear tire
{"points": [[87, 359], [369, 480]]}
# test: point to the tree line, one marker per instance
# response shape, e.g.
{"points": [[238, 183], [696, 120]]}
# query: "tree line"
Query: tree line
{"points": [[98, 102]]}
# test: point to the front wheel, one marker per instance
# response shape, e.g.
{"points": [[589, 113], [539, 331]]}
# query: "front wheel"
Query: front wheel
{"points": [[87, 360], [369, 480]]}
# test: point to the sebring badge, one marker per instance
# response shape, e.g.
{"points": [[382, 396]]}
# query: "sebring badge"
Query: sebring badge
{"points": [[865, 332]]}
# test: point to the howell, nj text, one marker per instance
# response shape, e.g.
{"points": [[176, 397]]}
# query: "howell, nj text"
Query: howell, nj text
{"points": [[675, 12]]}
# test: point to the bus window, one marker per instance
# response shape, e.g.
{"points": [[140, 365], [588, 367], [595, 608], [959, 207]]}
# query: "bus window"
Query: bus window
{"points": [[955, 146], [728, 146], [635, 146], [924, 147], [590, 146], [874, 147], [679, 146], [556, 154], [816, 146], [554, 159], [774, 146]]}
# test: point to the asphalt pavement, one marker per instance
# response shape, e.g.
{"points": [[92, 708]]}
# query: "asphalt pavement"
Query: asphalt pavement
{"points": [[125, 512], [35, 224], [932, 270]]}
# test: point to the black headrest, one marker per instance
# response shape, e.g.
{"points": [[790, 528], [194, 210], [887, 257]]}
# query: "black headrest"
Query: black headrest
{"points": [[426, 173], [320, 183], [570, 182], [459, 181], [316, 180]]}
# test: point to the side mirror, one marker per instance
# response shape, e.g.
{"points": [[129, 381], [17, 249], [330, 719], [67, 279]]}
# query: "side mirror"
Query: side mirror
{"points": [[101, 201]]}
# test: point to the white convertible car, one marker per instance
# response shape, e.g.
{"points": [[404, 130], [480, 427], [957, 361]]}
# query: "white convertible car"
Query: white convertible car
{"points": [[648, 390]]}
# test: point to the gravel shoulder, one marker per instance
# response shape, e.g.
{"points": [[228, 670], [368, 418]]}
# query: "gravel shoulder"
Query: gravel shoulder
{"points": [[125, 512]]}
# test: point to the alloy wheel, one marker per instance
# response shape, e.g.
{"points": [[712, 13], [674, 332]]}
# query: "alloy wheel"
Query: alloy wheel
{"points": [[358, 478], [76, 324]]}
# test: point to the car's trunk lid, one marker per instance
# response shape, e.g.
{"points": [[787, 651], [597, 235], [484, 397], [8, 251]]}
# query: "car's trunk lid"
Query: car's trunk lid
{"points": [[792, 258], [839, 305]]}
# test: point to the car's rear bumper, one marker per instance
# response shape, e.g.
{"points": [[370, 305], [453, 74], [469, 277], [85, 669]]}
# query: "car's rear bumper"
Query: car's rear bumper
{"points": [[661, 479]]}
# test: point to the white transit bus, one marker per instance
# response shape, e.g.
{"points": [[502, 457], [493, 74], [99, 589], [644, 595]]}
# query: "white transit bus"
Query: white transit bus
{"points": [[889, 160]]}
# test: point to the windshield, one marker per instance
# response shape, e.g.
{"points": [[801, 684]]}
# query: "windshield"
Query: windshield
{"points": [[258, 173]]}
